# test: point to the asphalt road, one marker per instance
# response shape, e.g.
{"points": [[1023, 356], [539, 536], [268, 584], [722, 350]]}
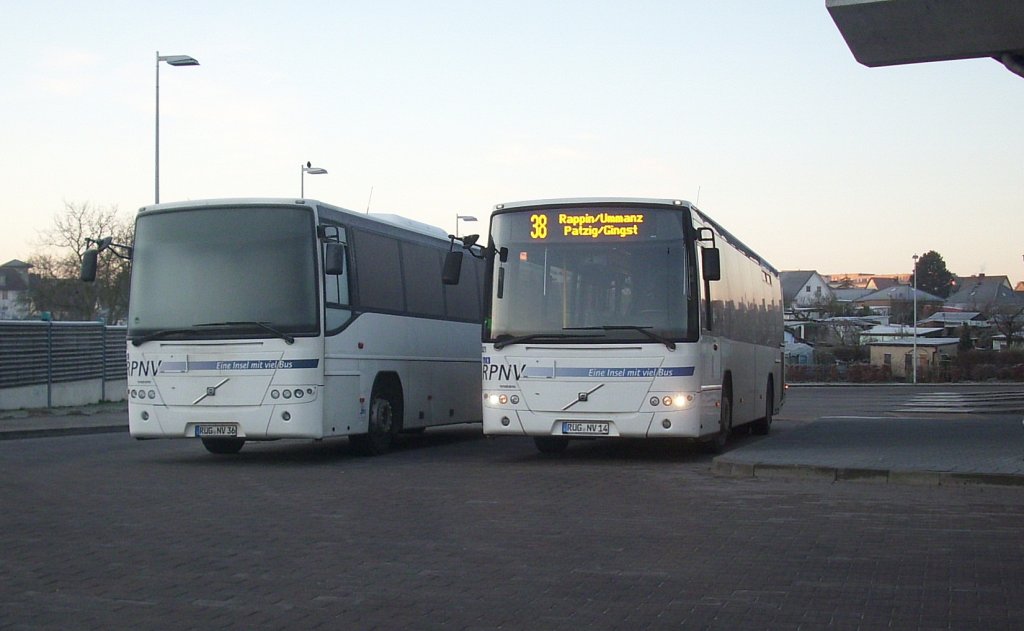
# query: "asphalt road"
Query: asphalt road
{"points": [[455, 531]]}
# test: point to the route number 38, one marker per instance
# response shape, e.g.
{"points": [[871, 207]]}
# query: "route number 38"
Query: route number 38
{"points": [[539, 226]]}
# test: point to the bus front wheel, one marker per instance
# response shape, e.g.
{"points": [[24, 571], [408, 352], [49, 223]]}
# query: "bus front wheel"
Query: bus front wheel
{"points": [[383, 425]]}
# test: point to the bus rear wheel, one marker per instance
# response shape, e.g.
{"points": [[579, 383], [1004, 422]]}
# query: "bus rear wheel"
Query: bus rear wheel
{"points": [[383, 425], [551, 444], [223, 445]]}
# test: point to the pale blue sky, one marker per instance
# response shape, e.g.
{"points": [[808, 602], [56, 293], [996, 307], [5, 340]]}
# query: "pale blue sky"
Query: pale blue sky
{"points": [[447, 108]]}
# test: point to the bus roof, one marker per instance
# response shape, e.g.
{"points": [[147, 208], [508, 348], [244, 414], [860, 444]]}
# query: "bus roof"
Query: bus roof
{"points": [[591, 200], [391, 219]]}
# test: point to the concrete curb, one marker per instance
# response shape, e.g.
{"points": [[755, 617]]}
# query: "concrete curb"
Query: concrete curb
{"points": [[51, 432], [737, 469]]}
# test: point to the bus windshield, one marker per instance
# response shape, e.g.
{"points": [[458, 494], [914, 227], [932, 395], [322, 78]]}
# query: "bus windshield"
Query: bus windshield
{"points": [[224, 272], [591, 274]]}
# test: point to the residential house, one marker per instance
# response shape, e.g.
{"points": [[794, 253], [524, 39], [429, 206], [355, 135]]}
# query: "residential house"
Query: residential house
{"points": [[881, 282], [805, 290], [798, 351], [14, 282], [897, 302], [887, 333], [981, 293], [866, 281], [953, 322], [898, 353], [999, 342], [846, 295]]}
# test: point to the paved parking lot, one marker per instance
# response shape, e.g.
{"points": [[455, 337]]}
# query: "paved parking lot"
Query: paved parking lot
{"points": [[454, 531]]}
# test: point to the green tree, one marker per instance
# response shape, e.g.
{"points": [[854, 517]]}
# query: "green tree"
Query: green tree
{"points": [[56, 266], [932, 275]]}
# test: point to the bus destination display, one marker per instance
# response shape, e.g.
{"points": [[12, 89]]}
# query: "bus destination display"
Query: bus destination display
{"points": [[573, 225]]}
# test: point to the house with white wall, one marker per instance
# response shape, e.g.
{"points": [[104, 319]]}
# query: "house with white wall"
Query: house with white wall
{"points": [[14, 281], [804, 290]]}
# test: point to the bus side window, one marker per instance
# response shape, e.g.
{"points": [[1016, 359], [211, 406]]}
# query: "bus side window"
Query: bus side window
{"points": [[379, 272], [336, 294]]}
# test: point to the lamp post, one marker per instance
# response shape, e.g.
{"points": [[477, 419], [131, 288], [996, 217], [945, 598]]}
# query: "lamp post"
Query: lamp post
{"points": [[172, 60], [312, 170], [462, 218], [914, 319]]}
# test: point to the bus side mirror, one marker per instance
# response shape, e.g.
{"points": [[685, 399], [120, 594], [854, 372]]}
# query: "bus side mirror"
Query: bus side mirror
{"points": [[334, 259], [711, 263], [452, 268], [89, 265]]}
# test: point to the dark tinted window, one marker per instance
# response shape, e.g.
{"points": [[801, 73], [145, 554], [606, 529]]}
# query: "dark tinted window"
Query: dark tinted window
{"points": [[379, 272], [422, 274]]}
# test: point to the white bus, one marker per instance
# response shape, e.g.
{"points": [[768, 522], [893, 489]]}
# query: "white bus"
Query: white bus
{"points": [[625, 317], [260, 319]]}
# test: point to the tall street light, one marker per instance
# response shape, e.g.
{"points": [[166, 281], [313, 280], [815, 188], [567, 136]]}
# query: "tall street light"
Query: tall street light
{"points": [[915, 319], [312, 170], [462, 218], [172, 60]]}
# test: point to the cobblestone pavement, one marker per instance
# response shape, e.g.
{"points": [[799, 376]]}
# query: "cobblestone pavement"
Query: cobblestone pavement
{"points": [[454, 531]]}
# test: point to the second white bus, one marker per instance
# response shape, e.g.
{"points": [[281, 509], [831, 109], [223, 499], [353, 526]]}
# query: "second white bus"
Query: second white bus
{"points": [[613, 317]]}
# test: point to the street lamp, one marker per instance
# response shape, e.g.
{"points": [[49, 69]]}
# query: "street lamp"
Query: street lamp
{"points": [[312, 170], [462, 218], [172, 60], [915, 319]]}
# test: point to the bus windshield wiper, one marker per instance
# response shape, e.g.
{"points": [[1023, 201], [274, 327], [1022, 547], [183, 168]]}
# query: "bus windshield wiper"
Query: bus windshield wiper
{"points": [[155, 335], [505, 340], [669, 344], [289, 339]]}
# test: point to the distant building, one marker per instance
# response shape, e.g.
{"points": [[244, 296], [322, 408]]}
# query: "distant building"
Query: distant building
{"points": [[898, 353], [887, 333], [14, 282], [798, 351], [982, 293], [805, 290], [882, 282], [862, 280], [953, 322], [892, 301]]}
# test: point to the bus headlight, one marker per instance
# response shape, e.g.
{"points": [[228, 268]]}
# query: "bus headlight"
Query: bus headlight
{"points": [[500, 398], [680, 400]]}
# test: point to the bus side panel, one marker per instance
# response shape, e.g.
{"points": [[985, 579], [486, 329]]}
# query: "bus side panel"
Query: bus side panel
{"points": [[341, 402]]}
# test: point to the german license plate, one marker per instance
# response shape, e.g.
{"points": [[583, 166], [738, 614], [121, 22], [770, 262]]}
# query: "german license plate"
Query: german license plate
{"points": [[586, 428], [216, 431]]}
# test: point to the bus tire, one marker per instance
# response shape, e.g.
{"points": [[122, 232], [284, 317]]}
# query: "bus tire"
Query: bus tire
{"points": [[762, 426], [383, 424], [223, 446], [718, 442], [551, 444]]}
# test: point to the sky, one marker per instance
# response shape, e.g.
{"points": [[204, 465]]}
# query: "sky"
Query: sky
{"points": [[757, 111]]}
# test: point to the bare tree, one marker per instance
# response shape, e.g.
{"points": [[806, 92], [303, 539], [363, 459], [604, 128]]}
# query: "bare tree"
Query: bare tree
{"points": [[55, 287], [1008, 318]]}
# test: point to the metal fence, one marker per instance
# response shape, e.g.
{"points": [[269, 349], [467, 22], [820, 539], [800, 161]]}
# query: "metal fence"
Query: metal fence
{"points": [[46, 353]]}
